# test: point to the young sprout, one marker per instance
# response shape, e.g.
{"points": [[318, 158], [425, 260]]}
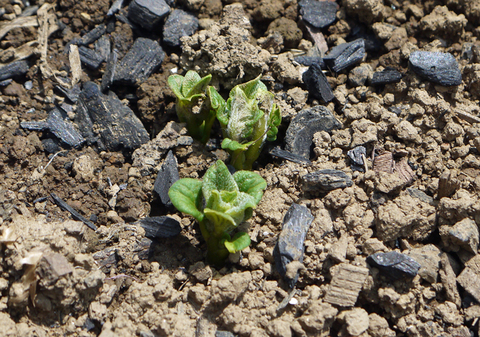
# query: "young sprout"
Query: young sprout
{"points": [[220, 203], [248, 118], [193, 105]]}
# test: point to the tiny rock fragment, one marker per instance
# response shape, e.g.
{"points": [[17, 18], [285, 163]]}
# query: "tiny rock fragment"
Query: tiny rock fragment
{"points": [[388, 75], [14, 69], [439, 68], [463, 235], [317, 84], [448, 183], [319, 14], [75, 215], [448, 278], [346, 285], [290, 245], [394, 264], [167, 175], [469, 277], [306, 123], [179, 23], [404, 171], [278, 152], [51, 267], [326, 180], [147, 13], [345, 55], [140, 62], [90, 58], [106, 121], [428, 257], [160, 227]]}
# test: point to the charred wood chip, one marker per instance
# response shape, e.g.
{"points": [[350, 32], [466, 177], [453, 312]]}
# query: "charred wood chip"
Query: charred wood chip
{"points": [[416, 193], [90, 58], [14, 70], [404, 171], [103, 47], [94, 34], [309, 60], [384, 163], [306, 123], [107, 258], [107, 121], [147, 13], [51, 145], [345, 55], [326, 180], [319, 14], [290, 245], [75, 215], [317, 84], [109, 73], [361, 31], [388, 75], [179, 23], [278, 152], [440, 68], [167, 175], [394, 264], [71, 94], [160, 227], [116, 6], [140, 62], [356, 155]]}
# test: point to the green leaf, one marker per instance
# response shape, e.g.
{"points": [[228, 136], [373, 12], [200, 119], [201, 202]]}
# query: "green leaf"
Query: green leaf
{"points": [[195, 85], [251, 183], [186, 196], [232, 145], [274, 121], [250, 88], [223, 223], [217, 103], [175, 83], [217, 178], [240, 241]]}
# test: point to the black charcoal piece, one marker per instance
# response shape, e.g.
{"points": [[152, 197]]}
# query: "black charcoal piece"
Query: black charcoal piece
{"points": [[90, 58], [94, 34], [309, 60], [290, 245], [72, 93], [278, 152], [298, 139], [394, 265], [440, 68], [345, 55], [179, 23], [326, 180], [107, 78], [167, 175], [356, 155], [116, 6], [140, 62], [5, 82], [317, 84], [360, 31], [102, 47], [104, 119], [59, 125], [319, 14], [64, 206], [388, 75], [51, 145], [14, 69], [147, 13], [160, 227]]}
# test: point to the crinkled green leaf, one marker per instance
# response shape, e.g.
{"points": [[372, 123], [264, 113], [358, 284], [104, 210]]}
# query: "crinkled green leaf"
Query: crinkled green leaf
{"points": [[237, 209], [251, 183], [273, 123], [218, 105], [240, 241], [194, 84], [186, 196], [228, 144], [250, 88], [217, 178], [223, 223], [175, 83]]}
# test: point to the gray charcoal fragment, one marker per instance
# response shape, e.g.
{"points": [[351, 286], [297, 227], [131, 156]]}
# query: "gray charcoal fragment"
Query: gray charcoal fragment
{"points": [[326, 180], [278, 152], [178, 24], [394, 264], [416, 193], [116, 6], [167, 175], [299, 136], [51, 145], [94, 34], [147, 13], [317, 84], [140, 62], [160, 227], [309, 60], [75, 215], [345, 55], [356, 155], [5, 82], [14, 70], [105, 120], [388, 75], [439, 68], [108, 75], [290, 245], [319, 14], [72, 93], [90, 58], [103, 47]]}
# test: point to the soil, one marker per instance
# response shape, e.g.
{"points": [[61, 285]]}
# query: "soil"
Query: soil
{"points": [[60, 278]]}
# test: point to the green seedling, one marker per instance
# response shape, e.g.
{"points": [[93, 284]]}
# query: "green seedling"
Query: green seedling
{"points": [[248, 118], [220, 203], [193, 104]]}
